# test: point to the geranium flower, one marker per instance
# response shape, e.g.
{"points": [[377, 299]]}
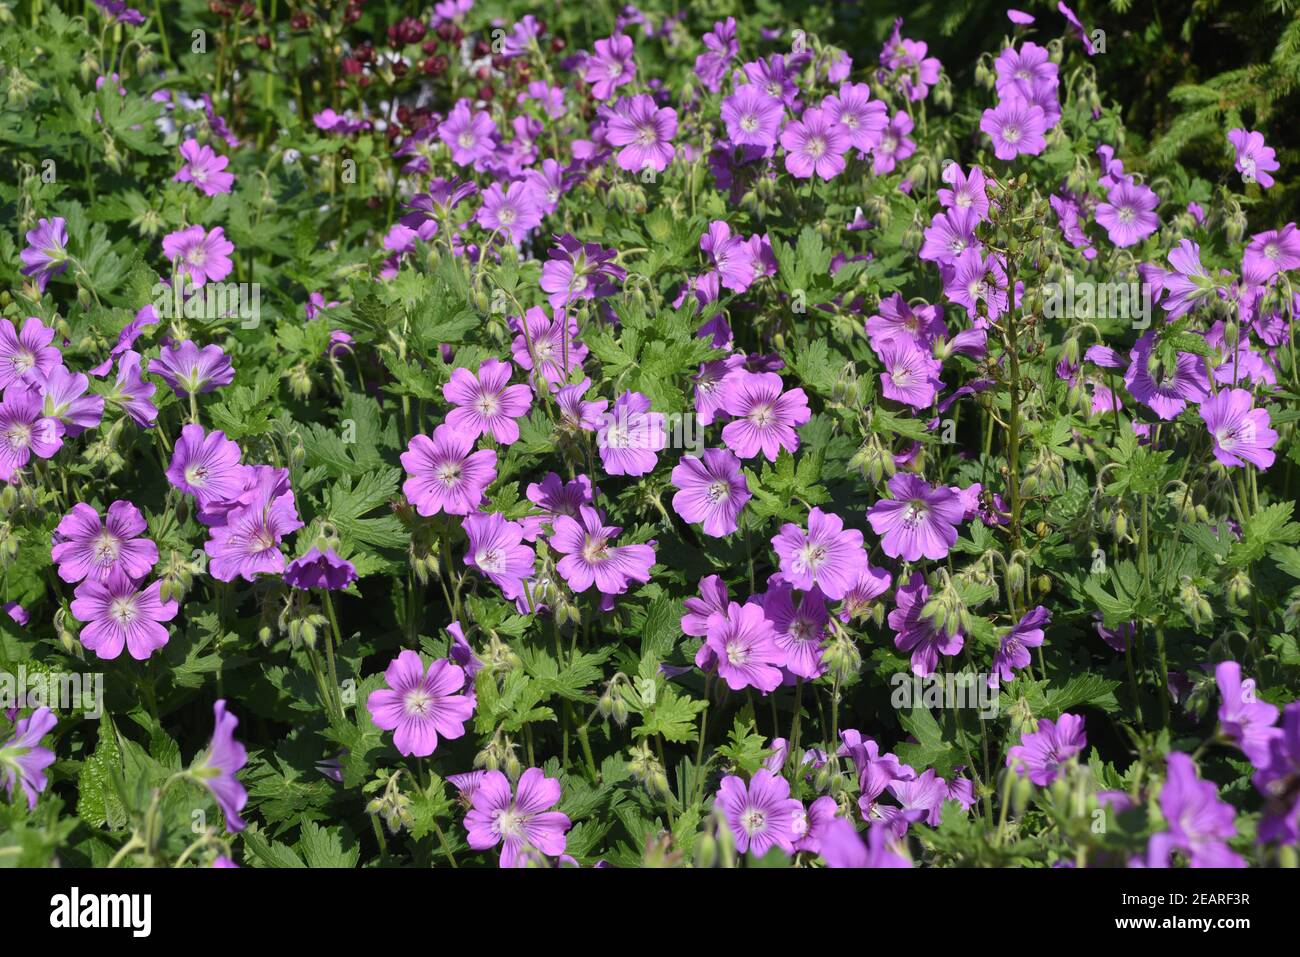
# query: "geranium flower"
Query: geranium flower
{"points": [[26, 356], [119, 614], [918, 521], [496, 549], [201, 254], [766, 418], [828, 555], [591, 558], [815, 143], [711, 490], [87, 547], [420, 705], [205, 169], [516, 821], [22, 759], [761, 815], [486, 403], [632, 437], [1040, 754], [611, 66], [190, 370], [753, 118], [645, 131], [1241, 432], [46, 254], [217, 768], [445, 475]]}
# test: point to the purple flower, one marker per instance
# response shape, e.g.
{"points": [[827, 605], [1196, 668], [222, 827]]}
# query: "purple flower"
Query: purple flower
{"points": [[487, 403], [1068, 216], [815, 143], [894, 146], [206, 465], [974, 279], [828, 555], [765, 417], [950, 234], [911, 376], [1016, 127], [317, 569], [1279, 782], [22, 759], [469, 134], [88, 548], [610, 67], [205, 169], [591, 558], [1188, 283], [1013, 651], [1166, 388], [919, 635], [118, 614], [760, 816], [854, 109], [46, 254], [496, 549], [720, 46], [576, 271], [132, 392], [742, 645], [201, 255], [920, 798], [713, 600], [1199, 824], [576, 412], [898, 320], [1254, 160], [711, 490], [1128, 215], [445, 475], [65, 400], [645, 132], [248, 543], [1078, 28], [918, 521], [419, 705], [1242, 716], [753, 118], [710, 396], [517, 822], [632, 437], [190, 370], [26, 356], [1241, 433], [731, 256], [1041, 753], [967, 192], [25, 430], [1021, 71], [551, 342], [216, 770], [871, 584], [1271, 252], [842, 846], [799, 631], [513, 211]]}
